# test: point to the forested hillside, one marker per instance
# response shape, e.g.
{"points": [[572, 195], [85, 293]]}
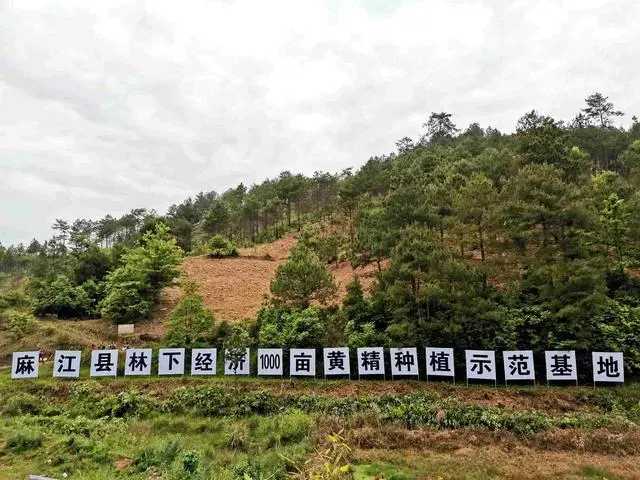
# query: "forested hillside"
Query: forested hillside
{"points": [[480, 239]]}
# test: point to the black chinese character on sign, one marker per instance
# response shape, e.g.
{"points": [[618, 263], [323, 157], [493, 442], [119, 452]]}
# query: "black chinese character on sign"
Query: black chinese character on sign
{"points": [[336, 359], [439, 362], [25, 365], [104, 362], [303, 362], [481, 362], [519, 364], [64, 363], [609, 366], [172, 358], [203, 362], [370, 360], [236, 358], [404, 359], [138, 361], [561, 365]]}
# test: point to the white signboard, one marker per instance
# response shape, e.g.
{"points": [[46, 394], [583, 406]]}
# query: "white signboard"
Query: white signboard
{"points": [[371, 361], [104, 363], [481, 364], [404, 361], [171, 361], [25, 364], [126, 329], [236, 366], [203, 361], [440, 362], [66, 363], [137, 361], [270, 361], [302, 362], [336, 361], [608, 367], [518, 365], [561, 365]]}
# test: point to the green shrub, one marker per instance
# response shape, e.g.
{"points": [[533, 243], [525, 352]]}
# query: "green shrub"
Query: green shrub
{"points": [[60, 297], [190, 461], [132, 288], [127, 301], [18, 323], [88, 449], [190, 322], [23, 440], [279, 328], [159, 455], [20, 403], [13, 299], [290, 427], [219, 247]]}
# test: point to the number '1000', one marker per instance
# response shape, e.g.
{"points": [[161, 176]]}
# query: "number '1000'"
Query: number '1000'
{"points": [[269, 361]]}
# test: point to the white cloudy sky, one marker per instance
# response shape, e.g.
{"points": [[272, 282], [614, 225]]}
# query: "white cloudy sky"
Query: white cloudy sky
{"points": [[110, 105]]}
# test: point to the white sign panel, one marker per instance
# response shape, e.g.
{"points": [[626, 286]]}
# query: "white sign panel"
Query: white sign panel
{"points": [[236, 365], [104, 363], [138, 361], [561, 365], [336, 361], [126, 329], [440, 362], [25, 364], [66, 363], [608, 367], [302, 362], [203, 361], [518, 365], [270, 361], [481, 364], [371, 361], [171, 361], [404, 361]]}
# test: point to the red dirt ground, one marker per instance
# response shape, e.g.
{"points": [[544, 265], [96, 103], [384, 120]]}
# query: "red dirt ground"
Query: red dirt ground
{"points": [[234, 288]]}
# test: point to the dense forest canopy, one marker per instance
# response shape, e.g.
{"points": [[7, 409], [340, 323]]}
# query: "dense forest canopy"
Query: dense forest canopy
{"points": [[481, 239]]}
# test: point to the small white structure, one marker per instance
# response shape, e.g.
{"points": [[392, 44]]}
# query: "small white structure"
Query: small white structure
{"points": [[126, 329]]}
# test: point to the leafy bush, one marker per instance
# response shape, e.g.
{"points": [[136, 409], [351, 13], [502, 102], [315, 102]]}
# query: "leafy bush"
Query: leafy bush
{"points": [[190, 461], [20, 404], [18, 323], [13, 299], [131, 288], [59, 296], [160, 455], [190, 322], [91, 263], [23, 441], [278, 328], [290, 427], [219, 247], [126, 301], [363, 335]]}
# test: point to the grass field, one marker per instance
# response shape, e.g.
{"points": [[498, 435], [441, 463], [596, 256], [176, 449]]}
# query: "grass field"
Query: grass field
{"points": [[225, 428]]}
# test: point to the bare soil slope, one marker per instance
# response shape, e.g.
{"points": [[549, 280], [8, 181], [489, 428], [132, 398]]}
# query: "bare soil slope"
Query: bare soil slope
{"points": [[234, 288]]}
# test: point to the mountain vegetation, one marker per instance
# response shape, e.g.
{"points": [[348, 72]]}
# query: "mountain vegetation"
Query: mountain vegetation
{"points": [[480, 238]]}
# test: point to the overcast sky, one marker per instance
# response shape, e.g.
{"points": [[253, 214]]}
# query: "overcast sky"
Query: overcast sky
{"points": [[110, 105]]}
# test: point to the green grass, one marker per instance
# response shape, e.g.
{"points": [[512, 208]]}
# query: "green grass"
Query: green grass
{"points": [[223, 428], [176, 446]]}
